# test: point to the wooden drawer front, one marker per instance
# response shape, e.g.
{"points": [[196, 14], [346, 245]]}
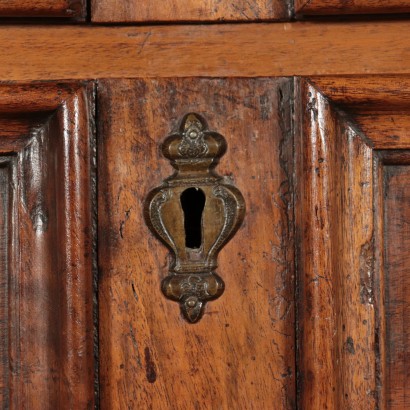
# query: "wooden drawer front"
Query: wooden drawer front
{"points": [[189, 10], [43, 8], [322, 7]]}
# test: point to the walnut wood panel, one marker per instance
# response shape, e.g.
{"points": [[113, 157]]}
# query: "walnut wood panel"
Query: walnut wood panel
{"points": [[241, 353], [43, 8], [283, 49], [319, 7], [344, 349], [110, 11], [46, 252], [397, 283]]}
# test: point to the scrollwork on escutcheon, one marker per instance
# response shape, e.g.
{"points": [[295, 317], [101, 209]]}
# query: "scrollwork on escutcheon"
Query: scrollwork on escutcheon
{"points": [[195, 230]]}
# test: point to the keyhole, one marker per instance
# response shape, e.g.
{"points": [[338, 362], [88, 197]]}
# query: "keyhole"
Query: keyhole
{"points": [[193, 202]]}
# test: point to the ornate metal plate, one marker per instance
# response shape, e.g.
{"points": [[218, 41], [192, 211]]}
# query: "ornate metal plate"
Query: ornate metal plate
{"points": [[194, 213]]}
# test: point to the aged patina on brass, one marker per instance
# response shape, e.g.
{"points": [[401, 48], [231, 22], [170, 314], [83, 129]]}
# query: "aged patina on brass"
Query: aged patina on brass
{"points": [[194, 212]]}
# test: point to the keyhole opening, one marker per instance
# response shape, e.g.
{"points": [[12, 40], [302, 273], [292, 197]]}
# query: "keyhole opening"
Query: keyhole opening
{"points": [[193, 202]]}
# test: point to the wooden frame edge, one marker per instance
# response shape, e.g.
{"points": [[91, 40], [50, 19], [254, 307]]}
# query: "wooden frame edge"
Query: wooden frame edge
{"points": [[64, 285]]}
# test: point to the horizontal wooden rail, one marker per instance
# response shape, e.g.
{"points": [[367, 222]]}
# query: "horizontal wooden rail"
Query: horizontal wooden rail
{"points": [[271, 49]]}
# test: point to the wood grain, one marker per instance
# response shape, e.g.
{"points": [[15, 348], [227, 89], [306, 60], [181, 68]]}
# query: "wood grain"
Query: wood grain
{"points": [[111, 11], [49, 318], [283, 49], [377, 105], [366, 94], [397, 279], [386, 131], [350, 216], [320, 7], [5, 183], [241, 353], [334, 220], [43, 8]]}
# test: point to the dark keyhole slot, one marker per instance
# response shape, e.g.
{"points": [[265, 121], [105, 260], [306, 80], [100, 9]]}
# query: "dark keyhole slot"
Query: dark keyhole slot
{"points": [[193, 202]]}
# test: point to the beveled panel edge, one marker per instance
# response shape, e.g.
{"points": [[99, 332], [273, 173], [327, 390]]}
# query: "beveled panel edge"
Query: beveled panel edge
{"points": [[335, 273], [376, 106], [70, 107]]}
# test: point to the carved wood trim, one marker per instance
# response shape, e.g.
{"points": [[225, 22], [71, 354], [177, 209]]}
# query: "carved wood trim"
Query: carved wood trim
{"points": [[346, 137], [46, 149], [334, 232]]}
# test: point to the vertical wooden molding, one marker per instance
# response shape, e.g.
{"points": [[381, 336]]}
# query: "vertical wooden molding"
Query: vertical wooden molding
{"points": [[334, 219], [6, 181], [316, 315], [47, 133], [379, 281], [77, 346]]}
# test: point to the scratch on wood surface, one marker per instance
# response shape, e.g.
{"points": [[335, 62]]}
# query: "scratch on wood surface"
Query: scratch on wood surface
{"points": [[144, 42], [366, 272]]}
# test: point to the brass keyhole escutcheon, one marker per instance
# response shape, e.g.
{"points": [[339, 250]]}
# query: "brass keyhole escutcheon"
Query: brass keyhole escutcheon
{"points": [[195, 212]]}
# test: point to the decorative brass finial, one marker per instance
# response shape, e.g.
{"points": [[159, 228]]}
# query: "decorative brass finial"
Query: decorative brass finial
{"points": [[194, 213]]}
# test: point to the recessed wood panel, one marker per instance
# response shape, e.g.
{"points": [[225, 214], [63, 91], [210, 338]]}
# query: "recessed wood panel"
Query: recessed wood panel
{"points": [[241, 353], [43, 8], [321, 7], [397, 284], [351, 218], [104, 11], [46, 247]]}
